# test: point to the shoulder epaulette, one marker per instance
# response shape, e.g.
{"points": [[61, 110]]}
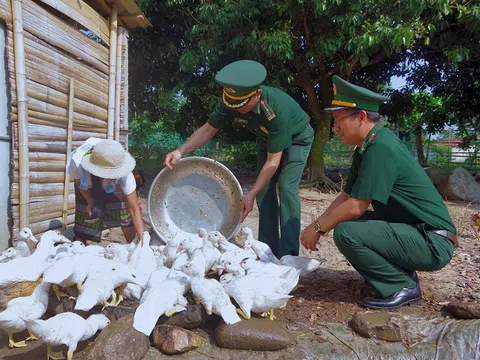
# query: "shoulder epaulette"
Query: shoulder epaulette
{"points": [[267, 109]]}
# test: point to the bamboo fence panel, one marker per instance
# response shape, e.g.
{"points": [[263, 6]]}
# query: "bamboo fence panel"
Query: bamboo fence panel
{"points": [[54, 97], [48, 74], [43, 177], [44, 189], [112, 73], [5, 11], [46, 225], [51, 146], [57, 32], [41, 118], [83, 14], [63, 125], [118, 84], [22, 123], [40, 217], [37, 48], [41, 156], [39, 71], [50, 109], [40, 166], [46, 133], [50, 203]]}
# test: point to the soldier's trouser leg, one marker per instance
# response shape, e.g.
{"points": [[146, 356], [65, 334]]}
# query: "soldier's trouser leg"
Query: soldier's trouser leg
{"points": [[380, 251], [288, 178], [291, 171], [267, 203]]}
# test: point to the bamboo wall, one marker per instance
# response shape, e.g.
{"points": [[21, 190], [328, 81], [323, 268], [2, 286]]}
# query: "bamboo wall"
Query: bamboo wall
{"points": [[55, 52]]}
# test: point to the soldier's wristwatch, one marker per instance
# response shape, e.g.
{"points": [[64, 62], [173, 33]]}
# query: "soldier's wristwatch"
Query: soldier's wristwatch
{"points": [[318, 229]]}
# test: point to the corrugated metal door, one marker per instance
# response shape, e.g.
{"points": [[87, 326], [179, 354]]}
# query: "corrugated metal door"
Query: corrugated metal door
{"points": [[4, 145]]}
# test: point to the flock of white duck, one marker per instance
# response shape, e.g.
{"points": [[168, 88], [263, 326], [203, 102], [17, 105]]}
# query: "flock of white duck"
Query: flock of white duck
{"points": [[157, 275]]}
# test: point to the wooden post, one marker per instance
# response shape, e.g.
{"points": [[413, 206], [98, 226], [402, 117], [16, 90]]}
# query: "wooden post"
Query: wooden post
{"points": [[66, 182], [118, 84], [111, 80], [20, 82]]}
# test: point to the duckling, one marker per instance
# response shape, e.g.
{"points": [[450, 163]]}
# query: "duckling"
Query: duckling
{"points": [[101, 283], [18, 310], [304, 264], [26, 235], [66, 329], [116, 252], [211, 294], [9, 254], [30, 268], [253, 295], [262, 250], [162, 295], [144, 262]]}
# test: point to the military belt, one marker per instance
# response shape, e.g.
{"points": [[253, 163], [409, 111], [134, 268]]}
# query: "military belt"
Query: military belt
{"points": [[449, 235]]}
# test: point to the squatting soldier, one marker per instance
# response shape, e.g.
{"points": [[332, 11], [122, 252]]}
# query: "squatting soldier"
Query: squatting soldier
{"points": [[409, 228]]}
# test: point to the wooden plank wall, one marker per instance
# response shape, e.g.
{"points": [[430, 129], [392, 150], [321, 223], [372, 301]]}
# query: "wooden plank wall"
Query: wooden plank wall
{"points": [[56, 51]]}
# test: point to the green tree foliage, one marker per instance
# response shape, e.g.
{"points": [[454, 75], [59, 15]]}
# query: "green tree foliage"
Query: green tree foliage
{"points": [[302, 43]]}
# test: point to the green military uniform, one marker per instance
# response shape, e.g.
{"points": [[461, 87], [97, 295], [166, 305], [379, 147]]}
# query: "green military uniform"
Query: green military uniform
{"points": [[397, 235], [280, 125]]}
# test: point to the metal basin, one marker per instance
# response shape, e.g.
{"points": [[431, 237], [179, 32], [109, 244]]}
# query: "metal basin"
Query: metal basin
{"points": [[198, 192]]}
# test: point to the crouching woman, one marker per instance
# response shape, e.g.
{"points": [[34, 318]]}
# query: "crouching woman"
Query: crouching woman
{"points": [[105, 190]]}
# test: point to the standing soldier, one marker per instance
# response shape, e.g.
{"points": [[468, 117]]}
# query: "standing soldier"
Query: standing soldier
{"points": [[284, 141]]}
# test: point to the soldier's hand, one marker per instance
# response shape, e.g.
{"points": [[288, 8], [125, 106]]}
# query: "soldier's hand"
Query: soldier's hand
{"points": [[309, 238], [171, 158], [246, 206]]}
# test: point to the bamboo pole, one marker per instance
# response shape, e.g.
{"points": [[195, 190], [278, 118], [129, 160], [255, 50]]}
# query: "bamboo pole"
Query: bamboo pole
{"points": [[111, 80], [22, 110], [69, 150], [118, 83], [125, 85]]}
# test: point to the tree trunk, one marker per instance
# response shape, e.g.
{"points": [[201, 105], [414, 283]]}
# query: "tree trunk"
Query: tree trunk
{"points": [[322, 131], [419, 142]]}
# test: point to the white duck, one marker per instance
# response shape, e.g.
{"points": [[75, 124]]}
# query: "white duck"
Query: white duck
{"points": [[160, 256], [117, 252], [282, 279], [26, 235], [69, 270], [101, 283], [211, 253], [211, 294], [253, 295], [304, 264], [32, 307], [171, 249], [262, 250], [9, 254], [233, 256], [161, 296], [66, 329], [20, 249], [89, 249], [32, 267], [144, 262]]}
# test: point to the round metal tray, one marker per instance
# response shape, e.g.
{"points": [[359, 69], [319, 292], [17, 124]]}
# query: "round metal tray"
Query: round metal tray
{"points": [[197, 193]]}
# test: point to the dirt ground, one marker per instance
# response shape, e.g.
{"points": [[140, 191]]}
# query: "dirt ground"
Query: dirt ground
{"points": [[330, 294]]}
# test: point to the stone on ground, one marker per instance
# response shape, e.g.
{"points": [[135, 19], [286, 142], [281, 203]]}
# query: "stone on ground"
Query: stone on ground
{"points": [[118, 341], [253, 334], [173, 340], [380, 325]]}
